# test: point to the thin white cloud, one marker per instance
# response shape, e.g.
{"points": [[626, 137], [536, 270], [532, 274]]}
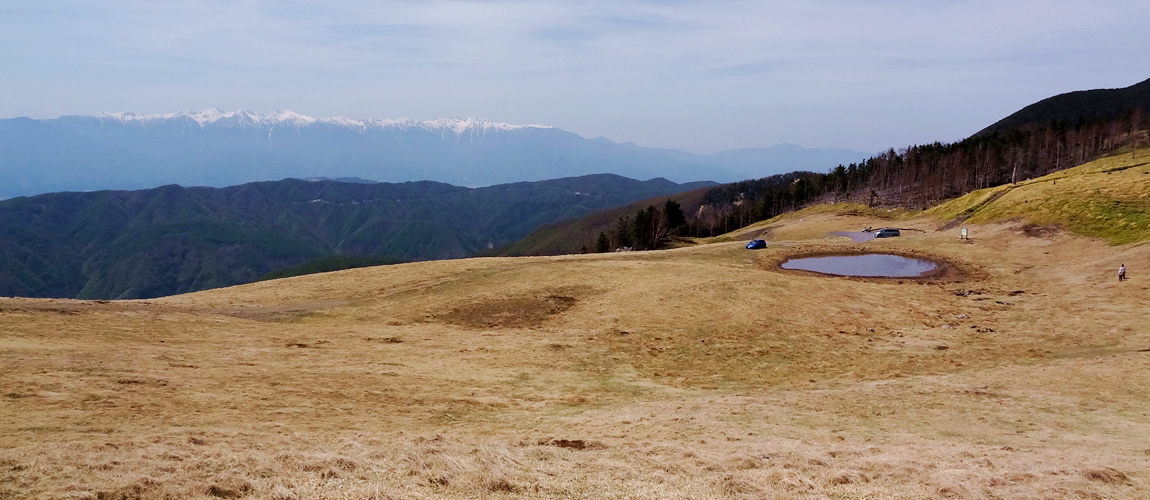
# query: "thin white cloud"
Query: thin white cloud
{"points": [[711, 74]]}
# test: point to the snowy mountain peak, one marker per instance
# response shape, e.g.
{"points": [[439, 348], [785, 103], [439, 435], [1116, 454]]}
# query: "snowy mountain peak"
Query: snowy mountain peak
{"points": [[285, 118]]}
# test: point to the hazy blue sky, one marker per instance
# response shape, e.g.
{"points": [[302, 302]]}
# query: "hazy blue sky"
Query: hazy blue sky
{"points": [[697, 75]]}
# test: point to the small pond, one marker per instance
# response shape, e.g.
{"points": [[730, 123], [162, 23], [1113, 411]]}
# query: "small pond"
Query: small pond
{"points": [[873, 265]]}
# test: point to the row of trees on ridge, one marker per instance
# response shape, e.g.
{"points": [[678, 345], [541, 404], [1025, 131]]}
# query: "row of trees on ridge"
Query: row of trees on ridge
{"points": [[922, 175]]}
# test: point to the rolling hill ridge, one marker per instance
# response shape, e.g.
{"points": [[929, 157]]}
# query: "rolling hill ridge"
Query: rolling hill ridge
{"points": [[1079, 107], [172, 239]]}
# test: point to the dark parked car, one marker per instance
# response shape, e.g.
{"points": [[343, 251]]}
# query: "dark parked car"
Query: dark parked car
{"points": [[756, 244], [888, 232]]}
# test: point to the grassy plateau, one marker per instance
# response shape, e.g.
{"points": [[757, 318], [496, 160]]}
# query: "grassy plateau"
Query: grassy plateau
{"points": [[699, 372]]}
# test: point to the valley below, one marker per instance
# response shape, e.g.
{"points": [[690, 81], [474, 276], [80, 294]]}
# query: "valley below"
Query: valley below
{"points": [[698, 372]]}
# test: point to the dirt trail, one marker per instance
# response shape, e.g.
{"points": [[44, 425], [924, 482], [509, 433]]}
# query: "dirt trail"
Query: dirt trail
{"points": [[970, 213]]}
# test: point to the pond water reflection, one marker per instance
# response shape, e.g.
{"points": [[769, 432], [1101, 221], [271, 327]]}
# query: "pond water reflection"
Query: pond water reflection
{"points": [[869, 265]]}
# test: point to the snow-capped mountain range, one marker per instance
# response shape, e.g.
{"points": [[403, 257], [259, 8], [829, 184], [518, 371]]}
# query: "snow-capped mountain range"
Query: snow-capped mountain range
{"points": [[223, 148], [292, 119]]}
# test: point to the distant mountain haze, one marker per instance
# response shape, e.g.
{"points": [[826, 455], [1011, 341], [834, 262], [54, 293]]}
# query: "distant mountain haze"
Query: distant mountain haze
{"points": [[217, 148]]}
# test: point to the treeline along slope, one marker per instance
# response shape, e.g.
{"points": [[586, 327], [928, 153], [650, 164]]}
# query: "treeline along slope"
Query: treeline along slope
{"points": [[1048, 136]]}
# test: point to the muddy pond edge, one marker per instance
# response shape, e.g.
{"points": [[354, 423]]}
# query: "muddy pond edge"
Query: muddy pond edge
{"points": [[949, 269]]}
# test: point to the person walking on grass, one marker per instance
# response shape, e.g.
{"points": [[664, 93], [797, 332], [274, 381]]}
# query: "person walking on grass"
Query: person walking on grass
{"points": [[1122, 272]]}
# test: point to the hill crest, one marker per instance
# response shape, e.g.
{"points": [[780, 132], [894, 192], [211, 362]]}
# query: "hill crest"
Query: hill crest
{"points": [[1077, 107]]}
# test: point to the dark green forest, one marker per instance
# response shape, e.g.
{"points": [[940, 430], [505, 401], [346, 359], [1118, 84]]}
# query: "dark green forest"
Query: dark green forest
{"points": [[173, 239]]}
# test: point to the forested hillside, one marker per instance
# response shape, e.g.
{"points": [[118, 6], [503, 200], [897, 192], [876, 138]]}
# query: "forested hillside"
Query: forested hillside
{"points": [[1074, 108], [172, 239], [1049, 136], [617, 226], [923, 175]]}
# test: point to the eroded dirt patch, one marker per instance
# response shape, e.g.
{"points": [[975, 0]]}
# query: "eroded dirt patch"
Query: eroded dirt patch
{"points": [[1040, 231], [514, 312]]}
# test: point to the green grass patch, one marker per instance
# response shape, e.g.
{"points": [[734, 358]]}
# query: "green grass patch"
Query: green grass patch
{"points": [[966, 205], [1108, 199]]}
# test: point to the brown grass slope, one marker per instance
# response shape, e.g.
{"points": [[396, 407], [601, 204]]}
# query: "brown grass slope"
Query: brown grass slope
{"points": [[702, 372]]}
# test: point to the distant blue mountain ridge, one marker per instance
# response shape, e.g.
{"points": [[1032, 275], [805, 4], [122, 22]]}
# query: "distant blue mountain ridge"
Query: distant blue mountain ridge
{"points": [[217, 148]]}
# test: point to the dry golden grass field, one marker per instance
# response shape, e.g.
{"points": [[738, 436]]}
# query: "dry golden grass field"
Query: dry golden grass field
{"points": [[700, 372]]}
